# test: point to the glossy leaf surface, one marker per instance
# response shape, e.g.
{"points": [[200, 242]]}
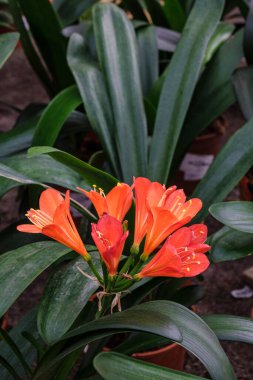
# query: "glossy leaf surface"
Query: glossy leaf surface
{"points": [[132, 369], [228, 244], [237, 215], [183, 72], [117, 51], [229, 166], [65, 296], [19, 268], [8, 42], [87, 172], [231, 327], [54, 116]]}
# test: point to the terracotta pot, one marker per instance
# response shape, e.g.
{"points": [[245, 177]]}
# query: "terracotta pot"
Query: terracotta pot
{"points": [[200, 155], [171, 356], [246, 189], [4, 321]]}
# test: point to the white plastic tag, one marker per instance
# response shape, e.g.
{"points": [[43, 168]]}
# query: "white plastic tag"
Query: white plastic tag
{"points": [[195, 166]]}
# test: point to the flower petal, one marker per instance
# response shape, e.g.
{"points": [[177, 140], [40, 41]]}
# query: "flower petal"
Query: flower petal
{"points": [[57, 233], [50, 199], [199, 233], [98, 200], [181, 238], [119, 201], [29, 228]]}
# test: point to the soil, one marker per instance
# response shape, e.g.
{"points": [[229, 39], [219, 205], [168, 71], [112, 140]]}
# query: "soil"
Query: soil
{"points": [[20, 86]]}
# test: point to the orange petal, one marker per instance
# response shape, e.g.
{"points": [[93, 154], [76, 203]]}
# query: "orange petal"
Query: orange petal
{"points": [[155, 194], [181, 238], [107, 232], [50, 199], [174, 200], [161, 224], [29, 228], [194, 264], [199, 233], [119, 201], [55, 232], [98, 201], [190, 208], [141, 186], [166, 262]]}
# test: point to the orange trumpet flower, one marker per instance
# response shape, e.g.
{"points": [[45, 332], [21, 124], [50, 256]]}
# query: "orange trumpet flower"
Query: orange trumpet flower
{"points": [[116, 203], [109, 238], [182, 255], [54, 220], [168, 214]]}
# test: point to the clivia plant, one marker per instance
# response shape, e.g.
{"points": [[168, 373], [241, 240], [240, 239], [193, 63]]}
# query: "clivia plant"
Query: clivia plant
{"points": [[104, 291], [149, 257]]}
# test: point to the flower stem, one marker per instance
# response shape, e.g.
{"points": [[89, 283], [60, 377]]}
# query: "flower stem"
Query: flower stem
{"points": [[95, 271]]}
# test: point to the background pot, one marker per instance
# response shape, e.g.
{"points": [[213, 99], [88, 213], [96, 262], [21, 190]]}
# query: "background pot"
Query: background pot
{"points": [[171, 356]]}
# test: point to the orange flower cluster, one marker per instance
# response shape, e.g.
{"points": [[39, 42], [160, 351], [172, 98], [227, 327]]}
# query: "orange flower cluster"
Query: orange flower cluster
{"points": [[160, 215]]}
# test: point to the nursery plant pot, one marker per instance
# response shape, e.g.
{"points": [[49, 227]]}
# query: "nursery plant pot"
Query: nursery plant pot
{"points": [[200, 155], [171, 356]]}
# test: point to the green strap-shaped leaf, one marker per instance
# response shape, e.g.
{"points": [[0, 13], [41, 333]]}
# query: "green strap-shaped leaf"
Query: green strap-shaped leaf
{"points": [[22, 170], [242, 80], [65, 296], [70, 11], [54, 116], [183, 73], [233, 161], [228, 244], [19, 268], [221, 34], [231, 327], [49, 39], [148, 57], [133, 369], [88, 173], [214, 92], [18, 138], [161, 318], [28, 47], [175, 14], [117, 51], [237, 215], [8, 42], [91, 85]]}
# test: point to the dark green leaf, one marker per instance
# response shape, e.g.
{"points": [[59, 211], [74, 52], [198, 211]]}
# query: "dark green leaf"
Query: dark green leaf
{"points": [[156, 13], [28, 47], [54, 116], [8, 42], [49, 39], [18, 138], [22, 170], [248, 36], [19, 268], [183, 72], [237, 215], [71, 10], [91, 85], [88, 173], [148, 57], [15, 351], [214, 92], [231, 327], [221, 34], [228, 244], [233, 161], [175, 14], [117, 51], [197, 337], [243, 79], [65, 296], [133, 369]]}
